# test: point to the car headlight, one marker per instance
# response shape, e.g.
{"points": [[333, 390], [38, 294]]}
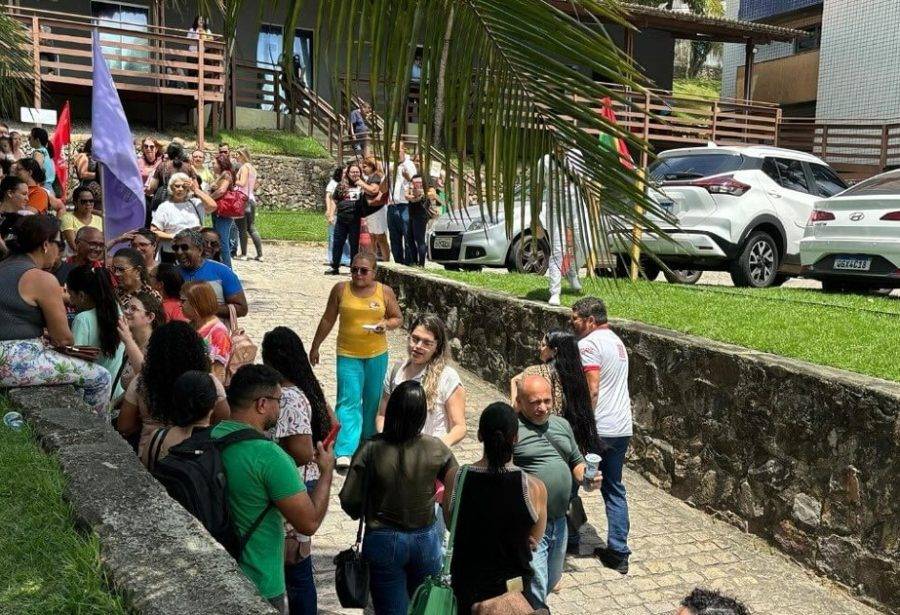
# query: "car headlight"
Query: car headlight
{"points": [[476, 225]]}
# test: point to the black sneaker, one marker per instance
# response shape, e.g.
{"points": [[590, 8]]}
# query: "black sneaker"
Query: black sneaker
{"points": [[612, 560], [332, 272]]}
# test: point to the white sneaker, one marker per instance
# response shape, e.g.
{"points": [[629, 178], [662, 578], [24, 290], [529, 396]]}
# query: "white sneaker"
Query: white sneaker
{"points": [[554, 300], [342, 463], [260, 258]]}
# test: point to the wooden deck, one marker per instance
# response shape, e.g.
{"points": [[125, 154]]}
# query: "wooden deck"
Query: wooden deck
{"points": [[151, 60]]}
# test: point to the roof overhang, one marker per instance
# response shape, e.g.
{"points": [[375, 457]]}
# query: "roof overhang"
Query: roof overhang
{"points": [[698, 27]]}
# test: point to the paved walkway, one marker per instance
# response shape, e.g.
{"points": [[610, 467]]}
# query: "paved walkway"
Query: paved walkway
{"points": [[675, 546]]}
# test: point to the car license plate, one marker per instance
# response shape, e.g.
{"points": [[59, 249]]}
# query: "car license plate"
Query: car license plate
{"points": [[853, 263], [443, 243]]}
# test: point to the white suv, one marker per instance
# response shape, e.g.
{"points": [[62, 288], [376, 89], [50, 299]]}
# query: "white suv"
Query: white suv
{"points": [[741, 209]]}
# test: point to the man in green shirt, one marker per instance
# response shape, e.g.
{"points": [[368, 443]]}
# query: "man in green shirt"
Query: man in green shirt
{"points": [[261, 476], [546, 448]]}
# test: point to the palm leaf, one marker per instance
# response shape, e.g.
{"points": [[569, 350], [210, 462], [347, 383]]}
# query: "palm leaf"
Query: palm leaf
{"points": [[504, 83], [16, 68]]}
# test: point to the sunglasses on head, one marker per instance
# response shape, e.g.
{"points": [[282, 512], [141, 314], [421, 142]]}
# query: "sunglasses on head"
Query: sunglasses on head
{"points": [[359, 270], [181, 247]]}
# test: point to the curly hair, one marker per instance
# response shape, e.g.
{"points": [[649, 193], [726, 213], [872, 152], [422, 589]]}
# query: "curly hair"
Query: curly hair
{"points": [[432, 376], [283, 350], [710, 602], [173, 349], [194, 396]]}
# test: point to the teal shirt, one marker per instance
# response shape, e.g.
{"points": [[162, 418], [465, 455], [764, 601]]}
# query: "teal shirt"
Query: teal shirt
{"points": [[259, 472], [86, 331], [534, 454]]}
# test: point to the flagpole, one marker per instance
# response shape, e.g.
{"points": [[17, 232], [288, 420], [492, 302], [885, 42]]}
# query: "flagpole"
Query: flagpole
{"points": [[103, 201], [637, 232]]}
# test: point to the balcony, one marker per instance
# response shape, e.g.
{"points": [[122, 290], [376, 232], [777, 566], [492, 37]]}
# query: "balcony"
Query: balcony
{"points": [[762, 10], [149, 60]]}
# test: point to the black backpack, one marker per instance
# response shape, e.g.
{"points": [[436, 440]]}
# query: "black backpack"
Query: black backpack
{"points": [[194, 475]]}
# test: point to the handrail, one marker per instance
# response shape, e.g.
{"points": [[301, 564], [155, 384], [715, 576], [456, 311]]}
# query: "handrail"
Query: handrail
{"points": [[13, 10]]}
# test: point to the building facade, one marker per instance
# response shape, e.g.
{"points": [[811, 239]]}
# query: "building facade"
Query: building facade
{"points": [[844, 69]]}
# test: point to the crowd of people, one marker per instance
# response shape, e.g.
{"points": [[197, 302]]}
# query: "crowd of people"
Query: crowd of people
{"points": [[147, 334]]}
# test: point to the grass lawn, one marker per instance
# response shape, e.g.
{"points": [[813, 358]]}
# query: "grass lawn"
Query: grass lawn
{"points": [[852, 332], [274, 142], [292, 225], [46, 566], [701, 88]]}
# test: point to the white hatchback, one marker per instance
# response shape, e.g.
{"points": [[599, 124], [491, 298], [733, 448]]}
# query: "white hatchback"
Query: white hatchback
{"points": [[852, 240]]}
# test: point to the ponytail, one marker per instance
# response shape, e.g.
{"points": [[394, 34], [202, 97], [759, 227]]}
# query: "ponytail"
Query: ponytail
{"points": [[96, 283], [497, 430]]}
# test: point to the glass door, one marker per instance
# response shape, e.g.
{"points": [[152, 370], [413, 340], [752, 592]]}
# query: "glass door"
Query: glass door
{"points": [[127, 17]]}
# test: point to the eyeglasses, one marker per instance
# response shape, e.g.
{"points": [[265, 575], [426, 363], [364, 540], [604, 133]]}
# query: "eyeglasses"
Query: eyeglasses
{"points": [[360, 270], [86, 201], [180, 247], [213, 244], [94, 245], [131, 309], [149, 146], [270, 398], [415, 340], [118, 269]]}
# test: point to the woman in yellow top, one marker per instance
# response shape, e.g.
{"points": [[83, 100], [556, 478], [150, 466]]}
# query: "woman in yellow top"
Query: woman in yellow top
{"points": [[84, 200], [367, 311]]}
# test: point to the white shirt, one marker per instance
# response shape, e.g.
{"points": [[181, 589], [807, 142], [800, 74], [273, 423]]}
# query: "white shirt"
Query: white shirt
{"points": [[175, 217], [398, 192], [436, 423], [603, 350], [331, 187]]}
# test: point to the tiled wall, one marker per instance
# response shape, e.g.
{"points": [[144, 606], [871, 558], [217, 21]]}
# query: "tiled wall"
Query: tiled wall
{"points": [[859, 70], [752, 10]]}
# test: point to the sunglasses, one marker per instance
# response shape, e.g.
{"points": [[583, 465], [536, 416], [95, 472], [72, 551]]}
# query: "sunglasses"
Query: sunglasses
{"points": [[180, 247], [360, 270], [150, 146], [95, 245], [86, 201], [213, 244]]}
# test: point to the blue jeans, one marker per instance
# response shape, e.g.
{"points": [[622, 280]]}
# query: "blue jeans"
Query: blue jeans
{"points": [[299, 582], [345, 234], [398, 563], [345, 257], [547, 562], [613, 492], [418, 222], [224, 227], [359, 386], [400, 233]]}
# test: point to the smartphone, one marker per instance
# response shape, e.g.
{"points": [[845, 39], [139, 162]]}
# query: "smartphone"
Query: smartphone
{"points": [[329, 439], [370, 327]]}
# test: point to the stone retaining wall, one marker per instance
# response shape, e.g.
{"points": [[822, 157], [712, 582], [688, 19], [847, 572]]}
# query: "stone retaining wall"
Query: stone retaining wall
{"points": [[155, 554], [806, 456], [292, 183]]}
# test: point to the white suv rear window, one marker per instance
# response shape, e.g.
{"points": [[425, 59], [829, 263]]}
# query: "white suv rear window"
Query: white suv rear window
{"points": [[694, 166]]}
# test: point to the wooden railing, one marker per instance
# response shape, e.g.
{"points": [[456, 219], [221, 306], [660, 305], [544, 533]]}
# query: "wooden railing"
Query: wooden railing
{"points": [[855, 148], [149, 59]]}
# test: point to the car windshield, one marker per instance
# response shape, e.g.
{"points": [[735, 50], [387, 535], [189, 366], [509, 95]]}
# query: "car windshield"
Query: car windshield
{"points": [[886, 183], [692, 166]]}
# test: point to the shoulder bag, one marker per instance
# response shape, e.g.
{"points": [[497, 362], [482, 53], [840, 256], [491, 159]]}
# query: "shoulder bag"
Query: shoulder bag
{"points": [[351, 571], [243, 350], [231, 204], [435, 596]]}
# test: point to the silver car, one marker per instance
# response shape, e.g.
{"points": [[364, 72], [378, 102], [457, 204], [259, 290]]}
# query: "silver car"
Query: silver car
{"points": [[465, 240]]}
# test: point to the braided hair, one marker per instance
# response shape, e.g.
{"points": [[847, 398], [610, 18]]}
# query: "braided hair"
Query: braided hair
{"points": [[283, 350]]}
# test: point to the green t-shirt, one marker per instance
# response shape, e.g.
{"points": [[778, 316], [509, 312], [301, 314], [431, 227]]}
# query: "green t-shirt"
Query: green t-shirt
{"points": [[534, 454], [259, 472], [86, 332]]}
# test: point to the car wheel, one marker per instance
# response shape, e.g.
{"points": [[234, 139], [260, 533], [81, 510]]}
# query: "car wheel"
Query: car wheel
{"points": [[757, 264], [682, 276], [524, 260], [649, 268]]}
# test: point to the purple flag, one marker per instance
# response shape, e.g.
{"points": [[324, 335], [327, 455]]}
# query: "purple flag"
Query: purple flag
{"points": [[112, 147]]}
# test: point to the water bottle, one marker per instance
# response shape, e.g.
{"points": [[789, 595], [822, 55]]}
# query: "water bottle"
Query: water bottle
{"points": [[13, 420]]}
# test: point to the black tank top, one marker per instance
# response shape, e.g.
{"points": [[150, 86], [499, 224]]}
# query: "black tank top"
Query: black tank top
{"points": [[491, 543]]}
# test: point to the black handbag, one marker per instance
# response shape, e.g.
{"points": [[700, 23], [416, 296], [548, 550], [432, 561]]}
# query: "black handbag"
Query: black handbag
{"points": [[576, 515], [351, 571]]}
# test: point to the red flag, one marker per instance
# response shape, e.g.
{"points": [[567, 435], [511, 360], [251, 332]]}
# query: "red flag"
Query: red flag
{"points": [[61, 137], [610, 116]]}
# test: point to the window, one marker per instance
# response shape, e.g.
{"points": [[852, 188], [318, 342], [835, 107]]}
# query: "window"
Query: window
{"points": [[787, 173], [269, 48], [126, 17], [886, 183], [827, 182], [694, 166], [812, 39]]}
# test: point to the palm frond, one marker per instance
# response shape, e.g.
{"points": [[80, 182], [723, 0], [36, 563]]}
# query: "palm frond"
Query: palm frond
{"points": [[16, 68], [504, 84]]}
